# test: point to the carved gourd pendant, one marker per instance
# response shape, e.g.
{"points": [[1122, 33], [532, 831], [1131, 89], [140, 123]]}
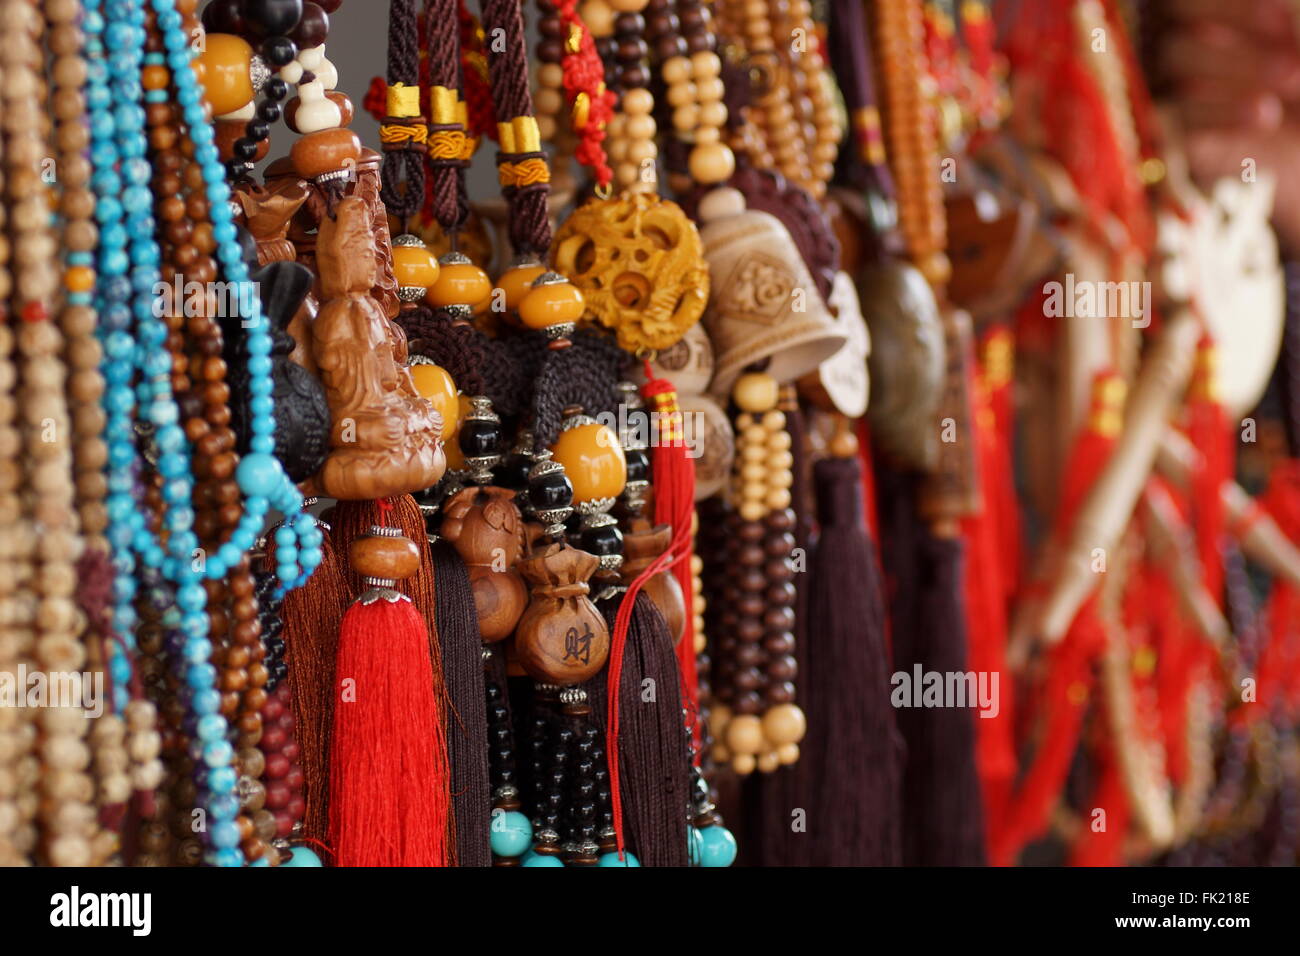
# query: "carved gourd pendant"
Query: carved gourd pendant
{"points": [[561, 638], [486, 529], [640, 265], [640, 549]]}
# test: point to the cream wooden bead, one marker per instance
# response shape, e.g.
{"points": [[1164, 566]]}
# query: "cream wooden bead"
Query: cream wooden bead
{"points": [[743, 764], [548, 100], [640, 127], [686, 117]]}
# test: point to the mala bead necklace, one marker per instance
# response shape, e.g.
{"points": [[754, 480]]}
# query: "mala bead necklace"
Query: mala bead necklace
{"points": [[65, 816], [258, 475], [203, 395], [761, 725]]}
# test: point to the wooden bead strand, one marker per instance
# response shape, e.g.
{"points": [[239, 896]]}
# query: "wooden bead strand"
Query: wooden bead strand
{"points": [[66, 812], [18, 764]]}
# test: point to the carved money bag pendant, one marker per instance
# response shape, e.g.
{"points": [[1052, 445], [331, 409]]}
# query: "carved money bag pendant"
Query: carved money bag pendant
{"points": [[561, 638]]}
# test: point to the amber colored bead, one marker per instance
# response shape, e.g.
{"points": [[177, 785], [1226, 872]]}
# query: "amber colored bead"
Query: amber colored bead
{"points": [[79, 279], [434, 383], [376, 556], [225, 72], [517, 282], [414, 266], [156, 77], [551, 304], [325, 151], [593, 459], [460, 283]]}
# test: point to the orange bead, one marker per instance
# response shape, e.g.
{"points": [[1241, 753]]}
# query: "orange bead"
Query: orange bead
{"points": [[156, 77], [434, 383], [460, 283], [517, 281], [227, 82], [593, 459], [414, 265], [79, 279], [551, 304]]}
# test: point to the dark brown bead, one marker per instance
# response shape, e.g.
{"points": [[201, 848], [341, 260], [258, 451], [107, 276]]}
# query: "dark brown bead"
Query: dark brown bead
{"points": [[781, 692], [780, 595], [783, 668], [779, 619]]}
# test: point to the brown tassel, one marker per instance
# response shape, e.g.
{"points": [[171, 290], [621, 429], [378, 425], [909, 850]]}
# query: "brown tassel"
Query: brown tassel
{"points": [[311, 616], [942, 809], [467, 731], [849, 757], [654, 759]]}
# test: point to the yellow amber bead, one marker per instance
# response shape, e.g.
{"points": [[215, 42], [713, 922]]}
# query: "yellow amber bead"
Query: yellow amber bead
{"points": [[414, 266], [551, 304], [593, 459], [460, 283], [434, 383], [79, 279], [225, 72], [517, 282]]}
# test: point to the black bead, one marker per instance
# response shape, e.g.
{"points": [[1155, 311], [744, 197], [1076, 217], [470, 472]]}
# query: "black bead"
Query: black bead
{"points": [[224, 16], [638, 464], [279, 50], [273, 17], [276, 88], [602, 541], [244, 149], [479, 439], [513, 472], [269, 111], [258, 130], [550, 492]]}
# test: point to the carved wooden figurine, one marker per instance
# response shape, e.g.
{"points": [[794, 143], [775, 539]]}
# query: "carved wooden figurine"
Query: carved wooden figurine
{"points": [[385, 439], [487, 530]]}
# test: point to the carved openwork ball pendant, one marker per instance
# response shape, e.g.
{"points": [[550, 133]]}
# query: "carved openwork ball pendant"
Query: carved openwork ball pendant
{"points": [[640, 264]]}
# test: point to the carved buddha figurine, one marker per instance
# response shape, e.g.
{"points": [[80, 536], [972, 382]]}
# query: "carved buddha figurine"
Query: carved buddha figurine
{"points": [[385, 439]]}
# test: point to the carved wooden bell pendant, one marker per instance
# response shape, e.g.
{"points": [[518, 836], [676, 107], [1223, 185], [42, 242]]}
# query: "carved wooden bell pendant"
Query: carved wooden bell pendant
{"points": [[763, 303]]}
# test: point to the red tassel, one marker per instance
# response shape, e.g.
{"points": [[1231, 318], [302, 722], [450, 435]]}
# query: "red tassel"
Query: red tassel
{"points": [[388, 804], [674, 500], [1207, 427]]}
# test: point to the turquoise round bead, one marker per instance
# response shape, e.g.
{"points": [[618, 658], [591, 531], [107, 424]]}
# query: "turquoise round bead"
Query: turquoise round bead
{"points": [[259, 474], [511, 833], [611, 859], [717, 847], [302, 856], [539, 859]]}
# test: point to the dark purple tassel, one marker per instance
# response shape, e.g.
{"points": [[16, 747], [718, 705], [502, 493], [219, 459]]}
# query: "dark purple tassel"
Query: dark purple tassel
{"points": [[942, 811], [467, 736], [850, 755], [654, 762]]}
